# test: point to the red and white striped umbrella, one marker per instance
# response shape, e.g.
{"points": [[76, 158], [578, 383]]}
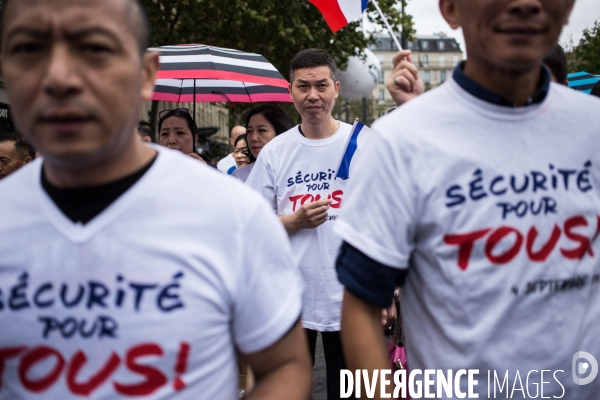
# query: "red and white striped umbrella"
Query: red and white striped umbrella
{"points": [[191, 73]]}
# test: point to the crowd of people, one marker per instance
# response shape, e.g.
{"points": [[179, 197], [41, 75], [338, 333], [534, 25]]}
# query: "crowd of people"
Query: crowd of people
{"points": [[129, 269]]}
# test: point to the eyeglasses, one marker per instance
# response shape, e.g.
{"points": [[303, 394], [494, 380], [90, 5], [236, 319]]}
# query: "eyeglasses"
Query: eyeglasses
{"points": [[178, 112]]}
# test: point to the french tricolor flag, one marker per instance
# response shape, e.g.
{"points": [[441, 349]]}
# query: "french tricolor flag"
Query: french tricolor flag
{"points": [[339, 13], [359, 135]]}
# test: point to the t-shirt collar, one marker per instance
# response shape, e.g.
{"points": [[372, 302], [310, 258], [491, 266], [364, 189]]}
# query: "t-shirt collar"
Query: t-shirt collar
{"points": [[475, 89]]}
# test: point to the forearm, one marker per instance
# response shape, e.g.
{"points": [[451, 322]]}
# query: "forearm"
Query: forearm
{"points": [[290, 381], [284, 370], [362, 336], [289, 223]]}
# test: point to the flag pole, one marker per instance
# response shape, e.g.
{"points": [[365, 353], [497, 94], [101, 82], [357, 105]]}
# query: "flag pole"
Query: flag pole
{"points": [[387, 25]]}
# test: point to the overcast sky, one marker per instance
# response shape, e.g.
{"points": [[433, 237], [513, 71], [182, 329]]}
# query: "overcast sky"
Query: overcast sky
{"points": [[428, 19]]}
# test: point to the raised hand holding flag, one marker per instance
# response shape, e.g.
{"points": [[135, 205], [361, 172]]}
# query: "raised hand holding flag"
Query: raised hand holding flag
{"points": [[339, 13]]}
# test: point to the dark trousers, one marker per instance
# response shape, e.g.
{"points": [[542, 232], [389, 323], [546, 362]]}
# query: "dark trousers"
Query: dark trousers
{"points": [[334, 359]]}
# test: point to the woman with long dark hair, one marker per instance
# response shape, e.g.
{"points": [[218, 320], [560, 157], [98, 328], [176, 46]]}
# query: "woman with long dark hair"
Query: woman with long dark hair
{"points": [[263, 123]]}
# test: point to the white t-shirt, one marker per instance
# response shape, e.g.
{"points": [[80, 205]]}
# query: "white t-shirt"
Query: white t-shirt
{"points": [[492, 210], [148, 299], [290, 171], [227, 164]]}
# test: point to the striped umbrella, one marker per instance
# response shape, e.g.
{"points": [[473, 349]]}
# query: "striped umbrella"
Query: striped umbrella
{"points": [[190, 73], [582, 81], [186, 90]]}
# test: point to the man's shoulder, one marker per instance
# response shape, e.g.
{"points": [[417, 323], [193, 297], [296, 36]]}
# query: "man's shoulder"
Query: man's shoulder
{"points": [[570, 101], [201, 183], [418, 114], [225, 163]]}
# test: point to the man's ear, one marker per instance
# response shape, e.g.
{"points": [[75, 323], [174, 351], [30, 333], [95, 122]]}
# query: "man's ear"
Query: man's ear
{"points": [[150, 67], [195, 141], [337, 89], [450, 13], [27, 160]]}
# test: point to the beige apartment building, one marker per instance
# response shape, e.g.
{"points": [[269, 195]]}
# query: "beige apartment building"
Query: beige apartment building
{"points": [[435, 56]]}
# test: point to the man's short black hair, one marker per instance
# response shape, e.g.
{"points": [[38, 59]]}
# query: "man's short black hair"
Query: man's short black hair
{"points": [[22, 148], [145, 129], [596, 89], [312, 58], [556, 61], [141, 27]]}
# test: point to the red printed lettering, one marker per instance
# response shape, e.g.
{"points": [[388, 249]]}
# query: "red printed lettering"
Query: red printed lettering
{"points": [[308, 198], [546, 249], [495, 238], [465, 243], [154, 378], [86, 388], [584, 243], [8, 353], [336, 199], [294, 200], [33, 357], [181, 366]]}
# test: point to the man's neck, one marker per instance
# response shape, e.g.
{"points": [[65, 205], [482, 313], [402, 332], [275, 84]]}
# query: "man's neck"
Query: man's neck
{"points": [[127, 162], [516, 85], [317, 130]]}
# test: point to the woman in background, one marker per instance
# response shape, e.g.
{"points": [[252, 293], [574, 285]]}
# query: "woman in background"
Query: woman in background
{"points": [[263, 123], [177, 130], [241, 154]]}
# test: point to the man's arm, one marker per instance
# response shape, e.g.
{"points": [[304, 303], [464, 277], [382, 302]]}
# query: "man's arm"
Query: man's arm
{"points": [[308, 216], [362, 338], [369, 286], [283, 370]]}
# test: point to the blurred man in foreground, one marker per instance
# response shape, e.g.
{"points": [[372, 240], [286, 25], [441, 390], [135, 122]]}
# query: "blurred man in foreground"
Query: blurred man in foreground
{"points": [[469, 198], [108, 299]]}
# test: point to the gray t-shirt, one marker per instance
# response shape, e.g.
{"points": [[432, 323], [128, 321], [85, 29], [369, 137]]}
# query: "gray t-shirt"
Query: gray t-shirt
{"points": [[243, 172]]}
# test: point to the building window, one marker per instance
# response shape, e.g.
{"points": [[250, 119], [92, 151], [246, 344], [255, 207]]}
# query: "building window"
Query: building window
{"points": [[381, 74], [424, 45], [425, 60], [440, 45], [442, 61], [381, 95], [442, 76], [426, 77], [455, 60]]}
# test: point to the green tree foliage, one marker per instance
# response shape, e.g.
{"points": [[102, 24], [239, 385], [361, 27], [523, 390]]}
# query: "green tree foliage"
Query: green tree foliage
{"points": [[586, 56], [277, 29]]}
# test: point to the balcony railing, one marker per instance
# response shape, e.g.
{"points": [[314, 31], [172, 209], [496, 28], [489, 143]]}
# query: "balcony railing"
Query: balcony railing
{"points": [[436, 64]]}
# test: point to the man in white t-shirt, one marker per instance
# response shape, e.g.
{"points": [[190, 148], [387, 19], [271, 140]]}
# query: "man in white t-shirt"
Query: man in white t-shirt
{"points": [[100, 298], [227, 164], [483, 197], [296, 173]]}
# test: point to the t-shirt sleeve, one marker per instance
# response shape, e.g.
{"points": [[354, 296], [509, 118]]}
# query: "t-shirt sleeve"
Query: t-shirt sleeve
{"points": [[261, 180], [379, 212], [269, 297]]}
